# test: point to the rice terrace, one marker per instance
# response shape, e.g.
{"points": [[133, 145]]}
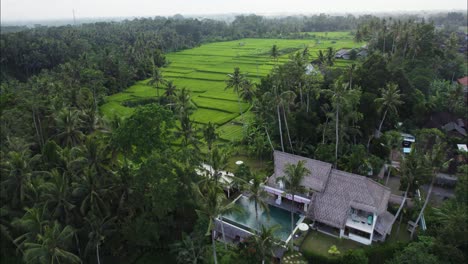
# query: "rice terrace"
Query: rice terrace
{"points": [[203, 70]]}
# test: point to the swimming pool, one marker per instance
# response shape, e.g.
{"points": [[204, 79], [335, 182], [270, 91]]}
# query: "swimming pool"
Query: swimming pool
{"points": [[276, 216]]}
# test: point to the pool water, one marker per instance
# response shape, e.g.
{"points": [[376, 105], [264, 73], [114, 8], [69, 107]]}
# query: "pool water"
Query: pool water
{"points": [[276, 216]]}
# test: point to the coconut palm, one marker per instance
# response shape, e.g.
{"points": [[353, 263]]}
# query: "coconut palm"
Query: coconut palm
{"points": [[257, 195], [435, 160], [247, 92], [237, 82], [294, 173], [339, 96], [56, 194], [392, 142], [274, 53], [209, 134], [265, 242], [89, 190], [156, 79], [191, 249], [279, 99], [390, 100], [330, 56], [51, 246], [321, 57], [262, 110], [98, 228], [170, 93], [17, 182], [213, 203], [218, 161], [30, 225], [68, 125]]}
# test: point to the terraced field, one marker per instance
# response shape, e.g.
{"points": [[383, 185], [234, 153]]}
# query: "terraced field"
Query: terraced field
{"points": [[203, 70]]}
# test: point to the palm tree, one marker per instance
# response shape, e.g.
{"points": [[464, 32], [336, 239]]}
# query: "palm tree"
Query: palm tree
{"points": [[56, 194], [247, 92], [262, 110], [30, 224], [218, 161], [294, 173], [210, 135], [170, 93], [96, 156], [279, 99], [91, 193], [321, 57], [339, 95], [191, 249], [213, 203], [434, 159], [184, 108], [68, 125], [184, 105], [18, 181], [156, 78], [265, 242], [237, 82], [98, 228], [392, 142], [330, 56], [257, 195], [51, 246], [274, 53], [390, 100]]}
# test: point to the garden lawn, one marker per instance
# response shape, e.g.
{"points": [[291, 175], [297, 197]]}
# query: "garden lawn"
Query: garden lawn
{"points": [[203, 70], [318, 243]]}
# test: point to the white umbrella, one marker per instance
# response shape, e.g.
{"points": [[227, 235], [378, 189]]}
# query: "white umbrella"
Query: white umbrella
{"points": [[303, 227]]}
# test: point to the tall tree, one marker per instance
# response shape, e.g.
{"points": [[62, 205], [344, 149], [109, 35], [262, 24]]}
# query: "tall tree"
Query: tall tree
{"points": [[209, 134], [434, 159], [340, 95], [389, 101], [156, 79], [274, 53], [265, 242], [294, 173], [237, 82], [212, 203], [68, 126], [51, 246], [278, 99], [257, 195]]}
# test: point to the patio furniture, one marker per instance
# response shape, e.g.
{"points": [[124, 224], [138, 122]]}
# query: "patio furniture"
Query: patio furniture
{"points": [[369, 220]]}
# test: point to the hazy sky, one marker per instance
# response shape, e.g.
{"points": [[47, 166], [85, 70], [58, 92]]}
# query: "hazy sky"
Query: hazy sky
{"points": [[14, 10]]}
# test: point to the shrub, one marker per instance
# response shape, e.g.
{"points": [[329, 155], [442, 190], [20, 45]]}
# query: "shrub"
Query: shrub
{"points": [[381, 252]]}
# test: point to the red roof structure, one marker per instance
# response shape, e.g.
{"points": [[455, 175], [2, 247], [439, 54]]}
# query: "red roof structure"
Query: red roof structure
{"points": [[463, 81]]}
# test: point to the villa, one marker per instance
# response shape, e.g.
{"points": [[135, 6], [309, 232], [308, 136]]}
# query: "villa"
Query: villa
{"points": [[339, 203]]}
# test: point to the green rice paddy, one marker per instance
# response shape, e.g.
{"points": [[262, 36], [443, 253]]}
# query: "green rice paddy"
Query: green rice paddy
{"points": [[204, 69]]}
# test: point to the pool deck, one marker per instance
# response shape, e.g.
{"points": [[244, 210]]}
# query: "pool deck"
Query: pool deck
{"points": [[285, 205]]}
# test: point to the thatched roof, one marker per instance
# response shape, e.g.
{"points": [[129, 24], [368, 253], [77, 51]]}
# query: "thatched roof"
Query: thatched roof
{"points": [[345, 190], [336, 191], [384, 223], [316, 180]]}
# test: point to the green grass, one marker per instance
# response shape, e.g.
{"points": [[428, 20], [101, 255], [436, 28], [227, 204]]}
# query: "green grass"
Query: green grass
{"points": [[203, 115], [231, 132], [318, 243], [221, 105], [204, 69]]}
